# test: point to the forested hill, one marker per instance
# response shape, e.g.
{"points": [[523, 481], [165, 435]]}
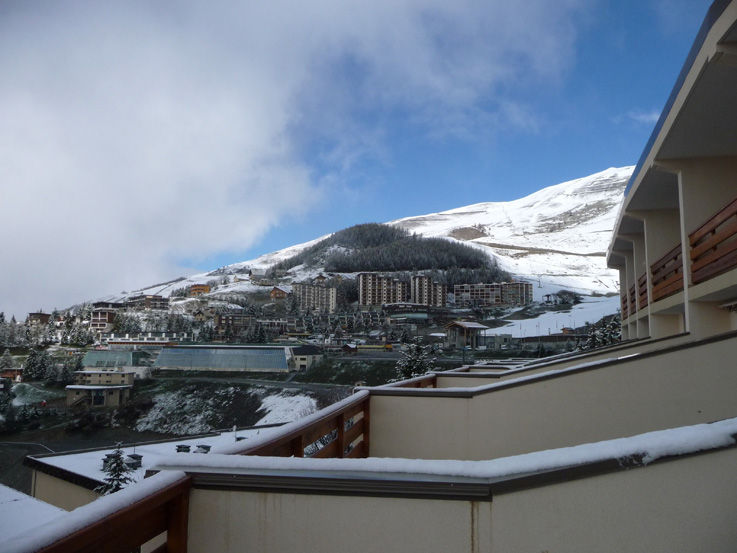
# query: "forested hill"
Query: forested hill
{"points": [[378, 247]]}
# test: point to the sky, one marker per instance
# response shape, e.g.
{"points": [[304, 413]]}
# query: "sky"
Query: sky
{"points": [[145, 140]]}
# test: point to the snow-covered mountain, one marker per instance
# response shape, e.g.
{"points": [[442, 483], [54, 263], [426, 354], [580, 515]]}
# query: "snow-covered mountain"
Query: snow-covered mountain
{"points": [[556, 237]]}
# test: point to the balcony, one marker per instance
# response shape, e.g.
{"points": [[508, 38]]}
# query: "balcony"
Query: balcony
{"points": [[714, 245], [667, 274]]}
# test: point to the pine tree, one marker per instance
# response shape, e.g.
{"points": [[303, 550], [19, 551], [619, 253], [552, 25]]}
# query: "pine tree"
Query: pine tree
{"points": [[117, 473], [6, 361], [415, 361]]}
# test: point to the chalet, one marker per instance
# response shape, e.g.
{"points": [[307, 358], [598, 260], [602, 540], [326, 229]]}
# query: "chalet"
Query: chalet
{"points": [[147, 303], [626, 448], [38, 319], [278, 293], [198, 289], [103, 316], [463, 334]]}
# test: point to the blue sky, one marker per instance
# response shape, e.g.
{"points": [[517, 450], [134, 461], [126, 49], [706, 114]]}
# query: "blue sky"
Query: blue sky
{"points": [[598, 113], [147, 139]]}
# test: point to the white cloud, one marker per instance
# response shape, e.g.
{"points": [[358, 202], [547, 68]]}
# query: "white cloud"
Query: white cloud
{"points": [[135, 135], [645, 117]]}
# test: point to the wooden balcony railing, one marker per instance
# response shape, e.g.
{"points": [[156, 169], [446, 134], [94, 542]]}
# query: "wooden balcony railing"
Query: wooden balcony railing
{"points": [[642, 291], [625, 306], [342, 432], [714, 245], [667, 274], [633, 299], [126, 529]]}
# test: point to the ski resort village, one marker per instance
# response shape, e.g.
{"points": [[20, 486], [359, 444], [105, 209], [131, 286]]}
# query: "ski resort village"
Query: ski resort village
{"points": [[551, 373]]}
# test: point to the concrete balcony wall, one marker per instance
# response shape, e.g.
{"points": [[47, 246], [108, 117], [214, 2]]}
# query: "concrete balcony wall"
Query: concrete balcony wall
{"points": [[259, 522], [621, 398], [681, 506], [676, 506]]}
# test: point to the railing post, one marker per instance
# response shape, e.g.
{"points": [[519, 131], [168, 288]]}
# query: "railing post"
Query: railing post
{"points": [[367, 426], [177, 520], [341, 435], [298, 446]]}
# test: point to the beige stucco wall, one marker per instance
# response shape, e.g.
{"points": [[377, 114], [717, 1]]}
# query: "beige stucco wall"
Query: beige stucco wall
{"points": [[448, 380], [635, 396], [682, 506], [60, 493], [239, 521], [685, 505]]}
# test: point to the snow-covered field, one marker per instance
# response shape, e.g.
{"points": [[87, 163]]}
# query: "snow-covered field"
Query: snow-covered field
{"points": [[590, 310], [286, 408]]}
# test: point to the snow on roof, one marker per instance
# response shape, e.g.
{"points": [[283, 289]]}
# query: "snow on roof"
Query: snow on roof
{"points": [[20, 513], [63, 524], [651, 446], [279, 408], [100, 387], [89, 463], [468, 324]]}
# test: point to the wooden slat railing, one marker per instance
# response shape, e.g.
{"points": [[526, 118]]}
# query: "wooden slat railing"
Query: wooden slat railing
{"points": [[642, 291], [714, 245], [165, 510], [338, 433], [625, 306], [667, 274], [633, 299]]}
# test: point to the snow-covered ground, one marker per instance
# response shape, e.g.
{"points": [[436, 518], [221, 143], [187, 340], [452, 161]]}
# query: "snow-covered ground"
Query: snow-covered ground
{"points": [[286, 408], [590, 310]]}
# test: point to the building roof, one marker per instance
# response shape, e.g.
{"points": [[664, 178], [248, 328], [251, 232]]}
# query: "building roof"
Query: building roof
{"points": [[468, 324], [240, 358], [96, 387], [306, 349], [21, 513], [113, 358]]}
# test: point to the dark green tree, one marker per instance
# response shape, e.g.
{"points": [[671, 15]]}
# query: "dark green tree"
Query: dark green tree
{"points": [[117, 473]]}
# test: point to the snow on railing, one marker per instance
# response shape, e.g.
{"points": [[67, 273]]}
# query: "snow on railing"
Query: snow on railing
{"points": [[340, 430], [121, 521]]}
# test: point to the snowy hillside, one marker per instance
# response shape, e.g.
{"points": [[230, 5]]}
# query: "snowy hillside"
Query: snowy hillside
{"points": [[555, 238]]}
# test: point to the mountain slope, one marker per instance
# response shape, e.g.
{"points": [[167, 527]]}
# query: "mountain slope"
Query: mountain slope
{"points": [[556, 237]]}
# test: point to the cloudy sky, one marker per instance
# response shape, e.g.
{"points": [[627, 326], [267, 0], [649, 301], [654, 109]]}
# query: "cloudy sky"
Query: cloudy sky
{"points": [[143, 140]]}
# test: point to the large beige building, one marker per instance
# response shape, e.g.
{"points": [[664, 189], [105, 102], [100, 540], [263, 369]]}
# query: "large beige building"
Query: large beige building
{"points": [[378, 289], [316, 296], [427, 292], [513, 293], [627, 448]]}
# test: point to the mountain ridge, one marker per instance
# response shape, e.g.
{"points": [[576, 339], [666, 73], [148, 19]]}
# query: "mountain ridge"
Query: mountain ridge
{"points": [[555, 237]]}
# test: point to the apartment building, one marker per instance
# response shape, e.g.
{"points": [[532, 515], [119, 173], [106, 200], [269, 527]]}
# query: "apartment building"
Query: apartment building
{"points": [[100, 388], [316, 296], [103, 316], [234, 321], [147, 302], [497, 293], [627, 448], [377, 289], [427, 292]]}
